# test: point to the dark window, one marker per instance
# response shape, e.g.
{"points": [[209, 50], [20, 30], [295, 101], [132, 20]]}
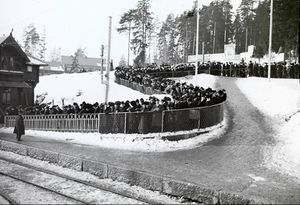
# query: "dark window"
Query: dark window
{"points": [[6, 97]]}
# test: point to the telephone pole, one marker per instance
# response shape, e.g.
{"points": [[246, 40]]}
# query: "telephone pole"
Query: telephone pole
{"points": [[102, 53], [129, 32], [270, 40], [197, 38], [108, 60]]}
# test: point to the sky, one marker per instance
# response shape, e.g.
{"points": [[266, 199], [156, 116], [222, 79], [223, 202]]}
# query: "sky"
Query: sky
{"points": [[73, 24]]}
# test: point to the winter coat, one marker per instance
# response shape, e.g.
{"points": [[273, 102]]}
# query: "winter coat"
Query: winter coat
{"points": [[19, 125]]}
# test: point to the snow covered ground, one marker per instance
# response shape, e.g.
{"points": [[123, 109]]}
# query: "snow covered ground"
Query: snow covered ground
{"points": [[279, 99], [79, 87]]}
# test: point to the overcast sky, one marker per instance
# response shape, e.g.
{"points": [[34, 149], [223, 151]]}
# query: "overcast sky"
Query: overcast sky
{"points": [[71, 24]]}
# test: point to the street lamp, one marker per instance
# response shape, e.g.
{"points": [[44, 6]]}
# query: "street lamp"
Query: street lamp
{"points": [[270, 40], [197, 38]]}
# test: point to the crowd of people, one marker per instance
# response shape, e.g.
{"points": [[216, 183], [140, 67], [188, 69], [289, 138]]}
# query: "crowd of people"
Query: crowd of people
{"points": [[242, 69], [182, 96]]}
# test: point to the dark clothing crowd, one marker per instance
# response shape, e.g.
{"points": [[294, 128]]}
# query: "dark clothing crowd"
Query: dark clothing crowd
{"points": [[278, 70], [183, 95]]}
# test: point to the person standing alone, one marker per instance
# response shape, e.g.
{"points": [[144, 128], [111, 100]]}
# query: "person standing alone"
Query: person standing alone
{"points": [[19, 126]]}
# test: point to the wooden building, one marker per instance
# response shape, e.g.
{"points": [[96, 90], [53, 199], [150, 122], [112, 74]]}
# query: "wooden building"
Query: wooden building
{"points": [[19, 74]]}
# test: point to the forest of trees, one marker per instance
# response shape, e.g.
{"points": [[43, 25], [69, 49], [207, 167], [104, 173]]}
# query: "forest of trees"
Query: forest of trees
{"points": [[218, 25]]}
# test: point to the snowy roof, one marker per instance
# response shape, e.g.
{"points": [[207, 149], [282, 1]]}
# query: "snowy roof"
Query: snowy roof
{"points": [[11, 71], [35, 61], [56, 68], [84, 61]]}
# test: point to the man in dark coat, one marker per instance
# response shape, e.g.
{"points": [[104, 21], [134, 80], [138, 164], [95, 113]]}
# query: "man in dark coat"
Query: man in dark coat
{"points": [[19, 127]]}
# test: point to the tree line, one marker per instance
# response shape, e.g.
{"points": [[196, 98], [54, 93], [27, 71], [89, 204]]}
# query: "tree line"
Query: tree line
{"points": [[218, 25]]}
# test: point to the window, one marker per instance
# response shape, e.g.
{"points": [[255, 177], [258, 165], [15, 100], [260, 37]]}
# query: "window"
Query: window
{"points": [[11, 60], [6, 97], [29, 68]]}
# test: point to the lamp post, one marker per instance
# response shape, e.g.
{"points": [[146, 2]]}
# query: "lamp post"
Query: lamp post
{"points": [[197, 38], [270, 40], [108, 59]]}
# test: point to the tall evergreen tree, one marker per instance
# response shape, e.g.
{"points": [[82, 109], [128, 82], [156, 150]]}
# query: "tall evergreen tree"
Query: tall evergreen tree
{"points": [[247, 17], [261, 29], [31, 40], [141, 18], [286, 26]]}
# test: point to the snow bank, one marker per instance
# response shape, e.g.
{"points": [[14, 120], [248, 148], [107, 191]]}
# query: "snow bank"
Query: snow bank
{"points": [[202, 80], [280, 100], [79, 87]]}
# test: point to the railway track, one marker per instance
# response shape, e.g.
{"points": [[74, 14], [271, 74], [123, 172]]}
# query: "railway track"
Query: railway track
{"points": [[6, 199], [20, 168]]}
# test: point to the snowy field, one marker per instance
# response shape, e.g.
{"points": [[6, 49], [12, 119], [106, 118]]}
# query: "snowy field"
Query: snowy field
{"points": [[279, 99]]}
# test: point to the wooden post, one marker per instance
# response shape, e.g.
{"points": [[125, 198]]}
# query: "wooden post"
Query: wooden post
{"points": [[125, 122], [162, 120]]}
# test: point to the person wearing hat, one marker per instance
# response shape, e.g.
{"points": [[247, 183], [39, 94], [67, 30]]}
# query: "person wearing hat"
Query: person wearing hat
{"points": [[19, 126]]}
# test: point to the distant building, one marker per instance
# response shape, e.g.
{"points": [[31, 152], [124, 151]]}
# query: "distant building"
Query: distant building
{"points": [[53, 67], [85, 64], [19, 74]]}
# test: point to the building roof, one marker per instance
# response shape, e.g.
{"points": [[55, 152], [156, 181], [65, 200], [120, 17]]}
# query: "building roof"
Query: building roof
{"points": [[2, 38], [53, 66], [83, 61], [14, 84], [35, 61], [10, 41]]}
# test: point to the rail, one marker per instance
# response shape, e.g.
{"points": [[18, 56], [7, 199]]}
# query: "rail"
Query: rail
{"points": [[127, 122]]}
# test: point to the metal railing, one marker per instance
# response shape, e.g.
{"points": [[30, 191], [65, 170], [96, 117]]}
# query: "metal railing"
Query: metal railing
{"points": [[129, 122]]}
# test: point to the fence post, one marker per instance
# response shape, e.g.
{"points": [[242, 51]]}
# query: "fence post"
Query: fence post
{"points": [[199, 121], [125, 123], [162, 120], [99, 122]]}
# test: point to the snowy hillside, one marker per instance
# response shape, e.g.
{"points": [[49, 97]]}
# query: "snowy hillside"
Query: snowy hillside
{"points": [[279, 99], [78, 87]]}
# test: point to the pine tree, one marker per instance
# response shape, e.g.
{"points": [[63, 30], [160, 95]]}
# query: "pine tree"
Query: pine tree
{"points": [[141, 18], [247, 17], [31, 40], [42, 46], [261, 29], [239, 37], [286, 26]]}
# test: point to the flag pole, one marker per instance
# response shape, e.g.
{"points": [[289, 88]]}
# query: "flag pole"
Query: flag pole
{"points": [[197, 38], [270, 40]]}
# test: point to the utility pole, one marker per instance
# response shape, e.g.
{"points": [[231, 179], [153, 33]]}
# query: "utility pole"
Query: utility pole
{"points": [[203, 44], [129, 32], [197, 38], [102, 53], [246, 43], [214, 40], [108, 60], [270, 40]]}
